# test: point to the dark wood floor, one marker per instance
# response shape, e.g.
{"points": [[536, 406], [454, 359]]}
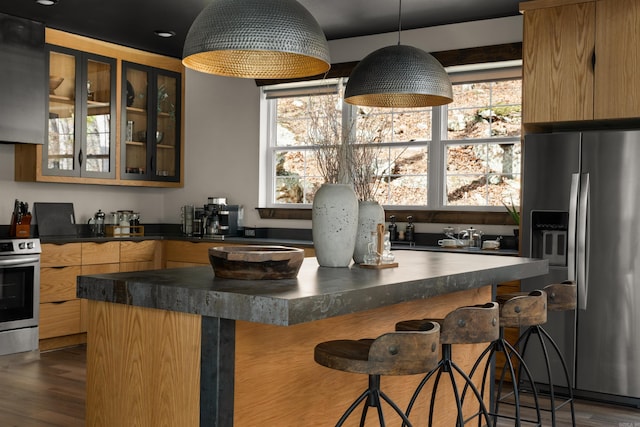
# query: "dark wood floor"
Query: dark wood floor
{"points": [[48, 390]]}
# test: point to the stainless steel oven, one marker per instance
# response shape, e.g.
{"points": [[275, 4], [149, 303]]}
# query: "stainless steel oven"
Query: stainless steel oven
{"points": [[19, 295]]}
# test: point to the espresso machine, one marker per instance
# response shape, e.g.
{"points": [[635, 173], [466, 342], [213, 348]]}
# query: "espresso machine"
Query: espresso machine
{"points": [[220, 219]]}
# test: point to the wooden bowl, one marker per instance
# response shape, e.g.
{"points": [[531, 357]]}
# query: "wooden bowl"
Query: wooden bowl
{"points": [[256, 262], [54, 82]]}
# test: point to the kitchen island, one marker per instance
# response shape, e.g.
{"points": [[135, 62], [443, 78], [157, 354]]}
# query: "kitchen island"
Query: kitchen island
{"points": [[180, 347]]}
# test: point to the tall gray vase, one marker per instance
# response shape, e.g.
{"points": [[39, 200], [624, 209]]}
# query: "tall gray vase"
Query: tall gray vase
{"points": [[370, 214], [334, 224]]}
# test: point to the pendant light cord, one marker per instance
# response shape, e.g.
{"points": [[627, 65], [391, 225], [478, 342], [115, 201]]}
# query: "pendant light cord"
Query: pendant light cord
{"points": [[399, 20]]}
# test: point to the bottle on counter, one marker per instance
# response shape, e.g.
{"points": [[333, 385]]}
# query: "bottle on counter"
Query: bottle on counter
{"points": [[409, 233], [393, 228]]}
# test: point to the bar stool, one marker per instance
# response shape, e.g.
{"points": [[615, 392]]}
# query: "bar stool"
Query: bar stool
{"points": [[560, 297], [394, 353], [465, 325], [516, 311]]}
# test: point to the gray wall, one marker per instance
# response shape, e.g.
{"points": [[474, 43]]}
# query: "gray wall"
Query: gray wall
{"points": [[222, 137]]}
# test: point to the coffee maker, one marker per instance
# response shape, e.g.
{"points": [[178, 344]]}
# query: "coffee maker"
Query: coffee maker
{"points": [[220, 219]]}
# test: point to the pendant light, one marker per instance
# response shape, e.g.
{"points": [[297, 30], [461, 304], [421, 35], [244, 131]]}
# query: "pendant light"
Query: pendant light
{"points": [[261, 39], [399, 76]]}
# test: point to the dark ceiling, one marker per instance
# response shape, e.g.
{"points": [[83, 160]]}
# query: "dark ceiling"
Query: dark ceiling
{"points": [[133, 22]]}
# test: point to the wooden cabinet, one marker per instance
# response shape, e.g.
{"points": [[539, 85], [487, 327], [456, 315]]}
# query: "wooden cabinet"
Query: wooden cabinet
{"points": [[141, 255], [151, 136], [82, 110], [63, 316], [185, 254], [617, 88], [59, 307], [89, 140], [578, 60]]}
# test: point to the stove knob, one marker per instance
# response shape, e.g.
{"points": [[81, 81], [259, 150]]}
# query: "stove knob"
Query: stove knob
{"points": [[21, 245], [30, 245]]}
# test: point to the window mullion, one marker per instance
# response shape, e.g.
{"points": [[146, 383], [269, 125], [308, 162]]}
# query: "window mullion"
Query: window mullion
{"points": [[436, 172]]}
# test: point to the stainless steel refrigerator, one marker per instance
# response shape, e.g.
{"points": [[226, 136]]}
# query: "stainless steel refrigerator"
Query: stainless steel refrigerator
{"points": [[581, 211]]}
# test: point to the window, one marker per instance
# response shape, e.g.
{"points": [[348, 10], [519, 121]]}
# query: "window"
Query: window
{"points": [[465, 155]]}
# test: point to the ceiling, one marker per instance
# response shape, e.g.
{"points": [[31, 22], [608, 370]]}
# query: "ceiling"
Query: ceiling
{"points": [[133, 22]]}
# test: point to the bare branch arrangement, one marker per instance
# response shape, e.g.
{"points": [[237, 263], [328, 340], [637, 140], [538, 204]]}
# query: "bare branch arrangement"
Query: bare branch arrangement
{"points": [[325, 133], [345, 156]]}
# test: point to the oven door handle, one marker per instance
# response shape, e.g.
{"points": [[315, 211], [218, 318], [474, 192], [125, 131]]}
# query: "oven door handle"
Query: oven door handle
{"points": [[16, 262]]}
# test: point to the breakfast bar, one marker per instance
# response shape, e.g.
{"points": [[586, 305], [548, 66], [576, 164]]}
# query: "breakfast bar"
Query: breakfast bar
{"points": [[182, 347]]}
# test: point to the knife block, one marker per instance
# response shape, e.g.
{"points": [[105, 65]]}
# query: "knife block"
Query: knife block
{"points": [[19, 230]]}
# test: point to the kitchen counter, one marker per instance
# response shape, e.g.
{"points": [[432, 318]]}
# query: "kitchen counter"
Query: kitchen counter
{"points": [[222, 352], [315, 294], [301, 243]]}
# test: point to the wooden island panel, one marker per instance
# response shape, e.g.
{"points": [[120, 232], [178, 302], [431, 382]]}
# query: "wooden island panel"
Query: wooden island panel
{"points": [[146, 367], [299, 392]]}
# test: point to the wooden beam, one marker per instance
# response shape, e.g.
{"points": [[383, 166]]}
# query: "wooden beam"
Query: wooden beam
{"points": [[448, 58]]}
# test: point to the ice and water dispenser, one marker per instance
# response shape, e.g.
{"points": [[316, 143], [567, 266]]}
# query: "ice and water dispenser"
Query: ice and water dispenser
{"points": [[549, 236]]}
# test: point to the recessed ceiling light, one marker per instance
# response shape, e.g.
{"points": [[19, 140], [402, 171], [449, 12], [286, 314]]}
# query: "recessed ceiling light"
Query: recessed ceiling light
{"points": [[47, 2], [165, 33]]}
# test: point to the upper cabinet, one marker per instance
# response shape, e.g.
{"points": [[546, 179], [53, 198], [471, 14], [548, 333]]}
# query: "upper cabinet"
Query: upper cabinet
{"points": [[577, 61], [151, 101], [81, 126], [617, 88], [114, 117], [23, 71]]}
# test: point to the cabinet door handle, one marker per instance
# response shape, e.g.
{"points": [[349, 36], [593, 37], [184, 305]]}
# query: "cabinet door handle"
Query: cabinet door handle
{"points": [[593, 60], [151, 166], [80, 158]]}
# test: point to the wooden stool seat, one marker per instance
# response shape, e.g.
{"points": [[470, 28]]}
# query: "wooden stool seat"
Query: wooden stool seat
{"points": [[464, 325], [524, 310], [393, 353], [562, 296]]}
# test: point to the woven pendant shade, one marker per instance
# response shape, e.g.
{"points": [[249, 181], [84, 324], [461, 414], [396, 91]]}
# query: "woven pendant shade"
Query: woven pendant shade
{"points": [[261, 39], [399, 76]]}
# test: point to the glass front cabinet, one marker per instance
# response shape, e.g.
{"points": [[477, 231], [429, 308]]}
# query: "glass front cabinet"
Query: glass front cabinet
{"points": [[81, 125], [150, 128]]}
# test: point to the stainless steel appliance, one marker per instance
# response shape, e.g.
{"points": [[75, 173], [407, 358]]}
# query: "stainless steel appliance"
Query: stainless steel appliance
{"points": [[581, 210], [19, 295], [221, 220]]}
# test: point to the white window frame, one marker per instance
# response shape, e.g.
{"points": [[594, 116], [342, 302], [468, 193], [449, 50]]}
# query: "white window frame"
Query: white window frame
{"points": [[436, 146]]}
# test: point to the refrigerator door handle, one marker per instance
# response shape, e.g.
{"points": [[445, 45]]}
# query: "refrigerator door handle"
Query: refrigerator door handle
{"points": [[581, 237], [573, 214]]}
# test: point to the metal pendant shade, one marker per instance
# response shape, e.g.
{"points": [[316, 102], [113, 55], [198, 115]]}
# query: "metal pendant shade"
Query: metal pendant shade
{"points": [[399, 76], [262, 39]]}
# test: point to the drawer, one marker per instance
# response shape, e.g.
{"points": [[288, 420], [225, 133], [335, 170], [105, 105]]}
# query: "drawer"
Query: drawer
{"points": [[61, 255], [137, 266], [58, 284], [100, 253], [145, 250], [196, 252], [59, 319], [100, 269]]}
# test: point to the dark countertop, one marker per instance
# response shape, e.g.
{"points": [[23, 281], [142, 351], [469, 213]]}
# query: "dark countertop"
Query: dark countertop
{"points": [[395, 246], [316, 293]]}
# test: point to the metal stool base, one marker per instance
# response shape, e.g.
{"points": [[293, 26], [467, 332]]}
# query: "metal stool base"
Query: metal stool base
{"points": [[373, 396], [447, 366], [526, 386]]}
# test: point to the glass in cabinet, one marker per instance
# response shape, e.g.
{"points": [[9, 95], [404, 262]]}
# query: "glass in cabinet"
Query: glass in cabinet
{"points": [[81, 124], [150, 123]]}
